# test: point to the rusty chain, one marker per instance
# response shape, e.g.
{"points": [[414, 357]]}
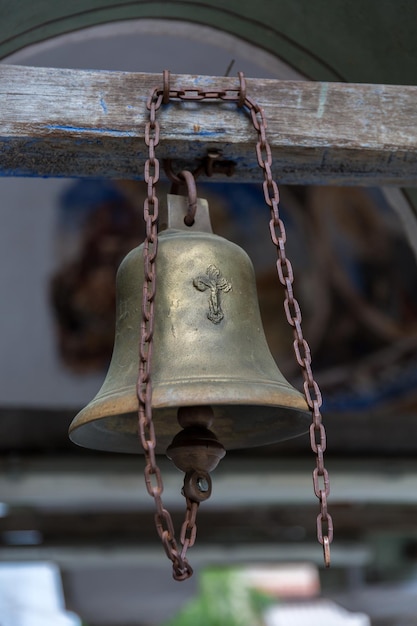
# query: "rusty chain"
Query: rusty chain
{"points": [[163, 521], [321, 482]]}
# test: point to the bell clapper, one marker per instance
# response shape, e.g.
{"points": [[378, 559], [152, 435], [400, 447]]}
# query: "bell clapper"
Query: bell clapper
{"points": [[196, 451]]}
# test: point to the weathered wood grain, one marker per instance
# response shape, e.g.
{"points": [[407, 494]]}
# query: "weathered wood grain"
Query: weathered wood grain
{"points": [[56, 122]]}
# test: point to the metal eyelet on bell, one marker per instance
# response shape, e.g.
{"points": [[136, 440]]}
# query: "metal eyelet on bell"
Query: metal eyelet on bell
{"points": [[197, 486]]}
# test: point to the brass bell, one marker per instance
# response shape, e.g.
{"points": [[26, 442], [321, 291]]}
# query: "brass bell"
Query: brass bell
{"points": [[209, 348]]}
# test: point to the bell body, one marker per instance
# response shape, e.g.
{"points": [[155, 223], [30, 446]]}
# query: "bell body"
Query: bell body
{"points": [[209, 349]]}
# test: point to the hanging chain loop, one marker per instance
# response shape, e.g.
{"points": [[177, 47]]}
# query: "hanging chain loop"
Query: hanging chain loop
{"points": [[153, 479], [293, 314], [181, 568]]}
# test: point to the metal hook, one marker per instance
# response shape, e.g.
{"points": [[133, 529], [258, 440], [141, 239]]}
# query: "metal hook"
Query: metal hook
{"points": [[242, 89], [186, 178], [166, 74], [192, 197]]}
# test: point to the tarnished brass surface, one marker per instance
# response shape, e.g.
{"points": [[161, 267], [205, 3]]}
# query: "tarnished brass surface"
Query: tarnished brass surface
{"points": [[209, 349]]}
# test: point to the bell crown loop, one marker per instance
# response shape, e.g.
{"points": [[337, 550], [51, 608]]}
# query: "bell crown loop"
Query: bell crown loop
{"points": [[172, 215]]}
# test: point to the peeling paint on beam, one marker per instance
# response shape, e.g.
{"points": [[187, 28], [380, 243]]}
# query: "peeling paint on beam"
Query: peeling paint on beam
{"points": [[74, 130], [80, 123]]}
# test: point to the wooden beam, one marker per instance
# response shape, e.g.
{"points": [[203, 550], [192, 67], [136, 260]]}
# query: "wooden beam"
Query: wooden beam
{"points": [[79, 557], [56, 122], [235, 525], [96, 484]]}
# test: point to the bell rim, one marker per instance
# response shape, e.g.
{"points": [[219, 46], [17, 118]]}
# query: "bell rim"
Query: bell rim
{"points": [[166, 395], [93, 424], [96, 434]]}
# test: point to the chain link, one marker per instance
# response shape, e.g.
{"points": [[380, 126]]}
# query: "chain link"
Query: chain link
{"points": [[163, 521]]}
